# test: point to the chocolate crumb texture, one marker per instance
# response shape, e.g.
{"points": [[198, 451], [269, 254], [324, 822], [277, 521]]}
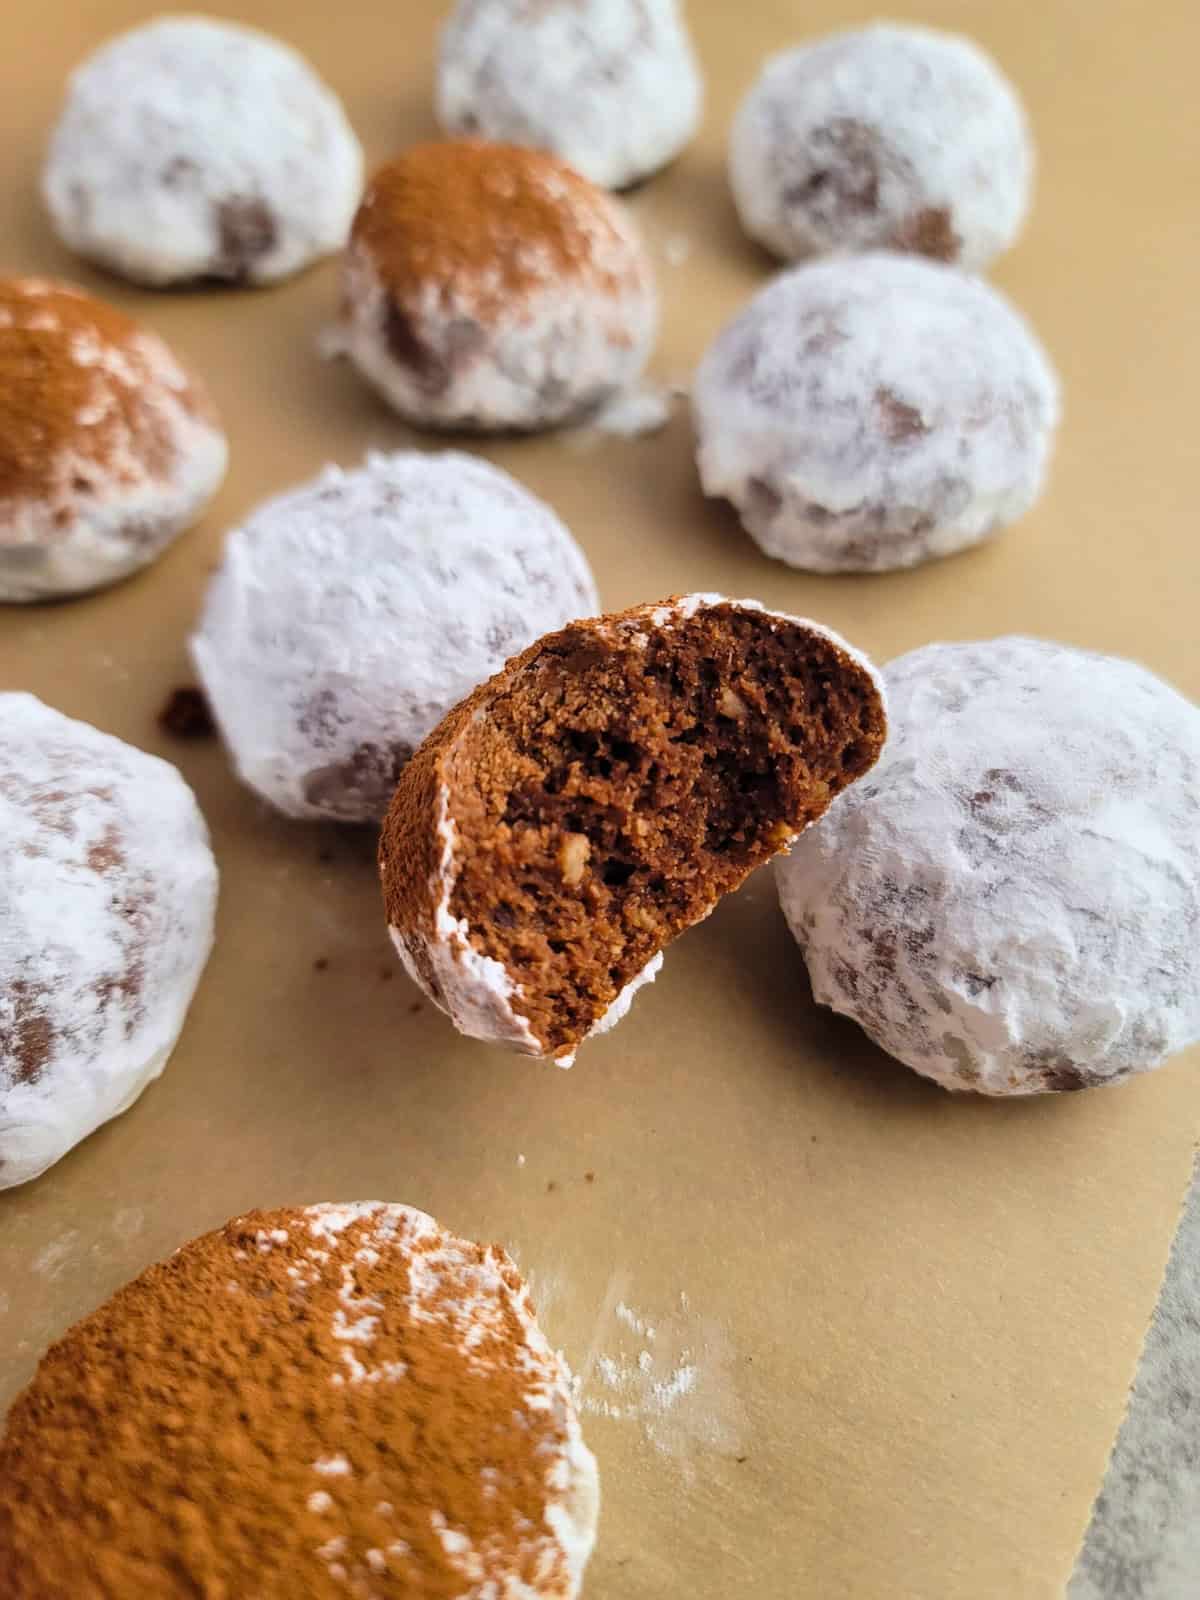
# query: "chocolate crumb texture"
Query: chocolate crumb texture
{"points": [[601, 794], [187, 714]]}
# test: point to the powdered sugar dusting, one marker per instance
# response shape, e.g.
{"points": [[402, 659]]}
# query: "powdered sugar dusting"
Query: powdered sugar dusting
{"points": [[874, 412], [474, 1299], [1007, 903], [671, 1377], [351, 613], [612, 86], [510, 360], [110, 897], [194, 148], [142, 461], [859, 140]]}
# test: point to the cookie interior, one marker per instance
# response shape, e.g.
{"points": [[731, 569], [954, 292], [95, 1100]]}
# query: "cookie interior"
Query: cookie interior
{"points": [[628, 776]]}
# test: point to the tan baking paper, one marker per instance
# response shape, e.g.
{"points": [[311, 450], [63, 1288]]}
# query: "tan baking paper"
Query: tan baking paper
{"points": [[840, 1335]]}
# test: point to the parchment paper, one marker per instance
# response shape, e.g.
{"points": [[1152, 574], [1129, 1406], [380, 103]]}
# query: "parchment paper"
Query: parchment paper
{"points": [[892, 1331]]}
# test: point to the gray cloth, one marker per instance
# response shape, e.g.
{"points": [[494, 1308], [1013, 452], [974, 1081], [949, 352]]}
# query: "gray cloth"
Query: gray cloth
{"points": [[1144, 1538]]}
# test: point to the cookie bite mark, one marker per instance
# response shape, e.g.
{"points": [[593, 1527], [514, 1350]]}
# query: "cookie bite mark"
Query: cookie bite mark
{"points": [[601, 794]]}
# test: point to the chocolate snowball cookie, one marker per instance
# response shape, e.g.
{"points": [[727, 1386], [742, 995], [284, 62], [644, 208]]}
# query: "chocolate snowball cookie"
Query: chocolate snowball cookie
{"points": [[873, 412], [1011, 902], [887, 137], [611, 86], [109, 448], [108, 890], [194, 149], [488, 287], [600, 795], [350, 614], [326, 1401]]}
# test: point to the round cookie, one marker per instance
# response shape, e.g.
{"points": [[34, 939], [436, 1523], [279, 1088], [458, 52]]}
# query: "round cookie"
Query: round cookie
{"points": [[192, 149], [108, 891], [108, 447], [490, 287], [350, 614], [1010, 903], [600, 795], [897, 138], [610, 86], [873, 412], [323, 1401]]}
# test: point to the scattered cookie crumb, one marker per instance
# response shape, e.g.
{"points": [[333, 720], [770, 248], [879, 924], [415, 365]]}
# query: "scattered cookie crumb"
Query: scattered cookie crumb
{"points": [[186, 714], [321, 964], [416, 1006], [589, 1177], [520, 1161], [551, 1187], [386, 974]]}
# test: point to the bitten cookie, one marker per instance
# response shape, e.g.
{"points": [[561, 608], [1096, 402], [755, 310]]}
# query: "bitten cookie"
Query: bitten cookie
{"points": [[193, 149], [874, 412], [1010, 903], [896, 138], [600, 795], [322, 1401], [610, 86], [108, 447], [489, 287], [108, 890], [350, 614]]}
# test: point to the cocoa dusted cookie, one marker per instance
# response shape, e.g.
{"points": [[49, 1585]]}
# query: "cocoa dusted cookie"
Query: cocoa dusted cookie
{"points": [[600, 795], [1011, 902], [350, 614], [320, 1401], [611, 86], [192, 149], [109, 447], [108, 891], [488, 287], [872, 412], [896, 138]]}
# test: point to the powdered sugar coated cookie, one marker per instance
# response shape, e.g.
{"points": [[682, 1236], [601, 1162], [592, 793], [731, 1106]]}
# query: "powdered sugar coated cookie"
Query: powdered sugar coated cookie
{"points": [[887, 137], [190, 148], [871, 412], [108, 447], [351, 613], [107, 896], [1010, 902], [490, 287], [611, 86]]}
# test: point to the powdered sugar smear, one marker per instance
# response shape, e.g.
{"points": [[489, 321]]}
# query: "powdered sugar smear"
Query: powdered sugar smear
{"points": [[635, 412], [670, 1375]]}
